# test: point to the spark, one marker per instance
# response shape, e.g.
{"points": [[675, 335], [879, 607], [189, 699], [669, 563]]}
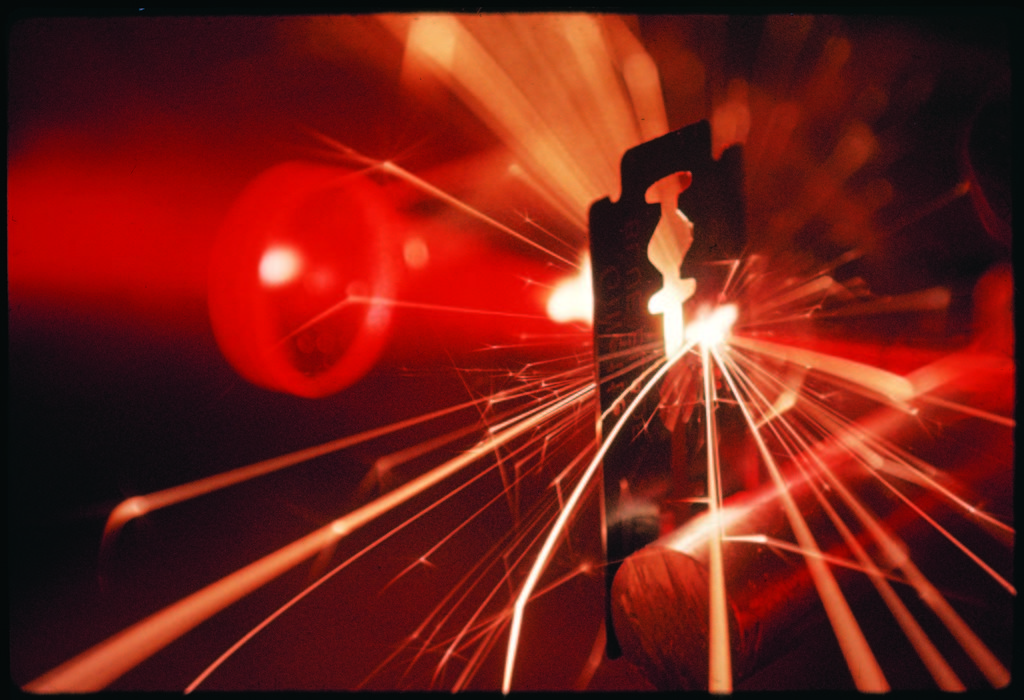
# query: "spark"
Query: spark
{"points": [[936, 664], [897, 557], [516, 171], [521, 536], [816, 288], [940, 202], [863, 665], [880, 456], [934, 299], [864, 442], [788, 398], [556, 531], [137, 506], [446, 46], [775, 543], [997, 675], [527, 219], [374, 301], [970, 411], [456, 203], [496, 626], [949, 536], [345, 564], [594, 659], [720, 660], [864, 377], [97, 667], [985, 660]]}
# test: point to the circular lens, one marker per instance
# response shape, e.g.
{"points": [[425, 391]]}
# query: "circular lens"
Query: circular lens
{"points": [[299, 276]]}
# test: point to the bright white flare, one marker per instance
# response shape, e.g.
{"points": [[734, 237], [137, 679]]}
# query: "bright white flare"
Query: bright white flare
{"points": [[714, 328], [573, 298], [279, 265]]}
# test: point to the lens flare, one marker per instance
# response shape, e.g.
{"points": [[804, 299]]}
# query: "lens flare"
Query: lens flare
{"points": [[279, 265]]}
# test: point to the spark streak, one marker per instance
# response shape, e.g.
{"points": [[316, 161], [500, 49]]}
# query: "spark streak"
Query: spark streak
{"points": [[863, 665], [556, 531], [345, 564], [719, 662], [994, 671], [936, 664], [447, 47], [986, 661], [775, 543], [99, 666], [355, 299], [418, 182], [940, 670], [864, 440], [137, 506], [970, 411], [890, 385], [881, 457]]}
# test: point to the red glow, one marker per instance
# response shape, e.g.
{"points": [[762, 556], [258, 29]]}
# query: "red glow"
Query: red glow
{"points": [[88, 220], [299, 240]]}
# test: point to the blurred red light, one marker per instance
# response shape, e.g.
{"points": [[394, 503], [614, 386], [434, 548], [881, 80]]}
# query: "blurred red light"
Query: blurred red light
{"points": [[300, 240]]}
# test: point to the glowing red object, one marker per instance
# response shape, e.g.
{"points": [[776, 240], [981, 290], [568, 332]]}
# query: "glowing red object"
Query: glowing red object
{"points": [[293, 272]]}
